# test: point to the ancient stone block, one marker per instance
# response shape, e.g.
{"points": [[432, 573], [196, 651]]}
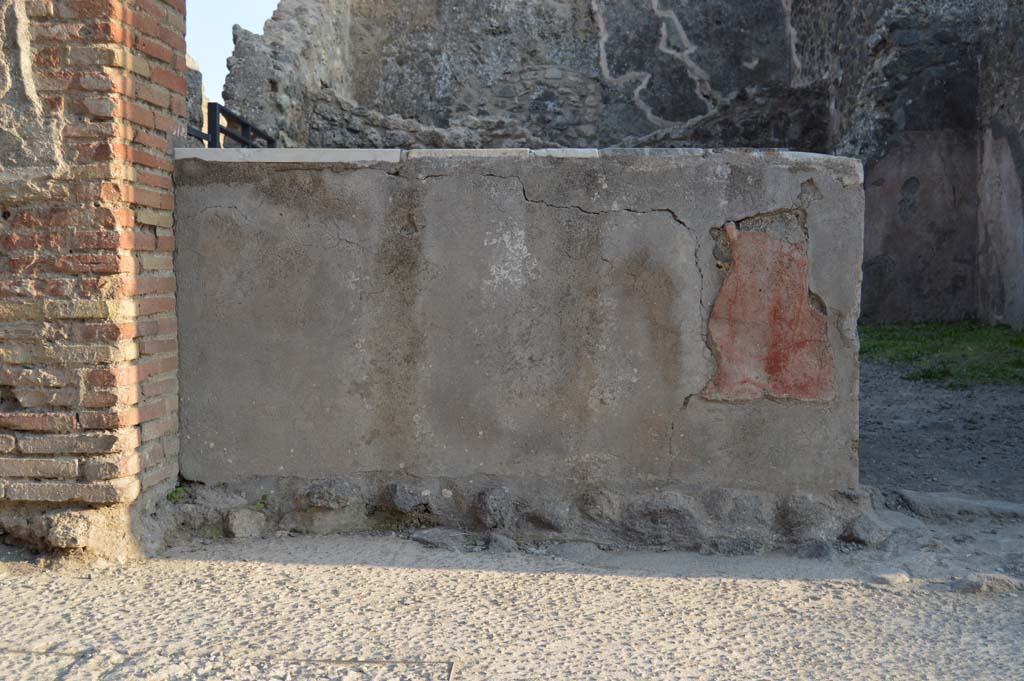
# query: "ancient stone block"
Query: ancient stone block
{"points": [[245, 523]]}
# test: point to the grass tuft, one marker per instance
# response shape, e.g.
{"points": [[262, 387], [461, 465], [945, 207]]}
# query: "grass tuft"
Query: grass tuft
{"points": [[958, 354], [176, 494]]}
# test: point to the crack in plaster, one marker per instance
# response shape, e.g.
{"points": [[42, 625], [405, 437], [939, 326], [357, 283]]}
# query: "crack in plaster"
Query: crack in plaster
{"points": [[704, 309], [704, 306], [705, 313], [675, 216]]}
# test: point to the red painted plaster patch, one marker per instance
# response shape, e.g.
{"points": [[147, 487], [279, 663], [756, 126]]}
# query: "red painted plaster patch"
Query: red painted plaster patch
{"points": [[769, 340]]}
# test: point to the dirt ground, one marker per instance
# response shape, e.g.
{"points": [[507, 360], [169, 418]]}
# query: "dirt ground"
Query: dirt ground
{"points": [[920, 436], [943, 598]]}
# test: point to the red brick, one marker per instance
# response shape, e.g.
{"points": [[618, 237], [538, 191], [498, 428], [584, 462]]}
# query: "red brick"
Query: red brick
{"points": [[158, 347], [157, 327], [31, 241], [80, 443], [111, 398], [67, 217], [154, 49], [155, 180], [31, 421], [113, 69], [115, 376], [22, 467], [156, 142], [111, 467], [49, 57], [161, 387], [115, 492], [144, 158], [89, 9], [96, 420], [79, 263], [154, 429], [103, 332], [47, 288], [151, 198], [156, 305], [172, 81]]}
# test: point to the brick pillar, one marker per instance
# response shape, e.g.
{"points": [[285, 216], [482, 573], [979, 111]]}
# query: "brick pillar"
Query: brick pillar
{"points": [[88, 380]]}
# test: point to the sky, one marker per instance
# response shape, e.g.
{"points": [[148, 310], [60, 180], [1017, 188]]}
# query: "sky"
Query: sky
{"points": [[209, 34]]}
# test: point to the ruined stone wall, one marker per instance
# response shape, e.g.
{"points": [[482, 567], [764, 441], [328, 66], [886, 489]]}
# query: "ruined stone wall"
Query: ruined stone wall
{"points": [[580, 73], [650, 347], [277, 78], [91, 93], [1001, 182], [903, 84], [490, 73], [196, 102]]}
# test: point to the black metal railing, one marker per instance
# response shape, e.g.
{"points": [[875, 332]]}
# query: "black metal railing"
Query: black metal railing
{"points": [[222, 121]]}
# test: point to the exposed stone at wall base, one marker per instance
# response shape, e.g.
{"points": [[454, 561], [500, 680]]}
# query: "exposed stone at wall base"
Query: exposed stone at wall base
{"points": [[118, 532], [719, 520]]}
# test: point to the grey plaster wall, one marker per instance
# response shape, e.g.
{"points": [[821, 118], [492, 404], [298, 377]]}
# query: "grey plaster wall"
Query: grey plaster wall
{"points": [[921, 236], [535, 323], [1001, 182]]}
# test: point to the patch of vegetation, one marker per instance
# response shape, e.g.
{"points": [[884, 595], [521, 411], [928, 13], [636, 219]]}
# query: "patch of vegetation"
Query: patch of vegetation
{"points": [[959, 354], [261, 505], [176, 494]]}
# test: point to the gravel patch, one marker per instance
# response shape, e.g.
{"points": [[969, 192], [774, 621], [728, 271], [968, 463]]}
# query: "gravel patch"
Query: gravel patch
{"points": [[386, 608]]}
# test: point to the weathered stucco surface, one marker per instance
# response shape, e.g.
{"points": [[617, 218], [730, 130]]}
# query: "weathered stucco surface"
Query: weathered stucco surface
{"points": [[1001, 214], [921, 241], [31, 153], [461, 323]]}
